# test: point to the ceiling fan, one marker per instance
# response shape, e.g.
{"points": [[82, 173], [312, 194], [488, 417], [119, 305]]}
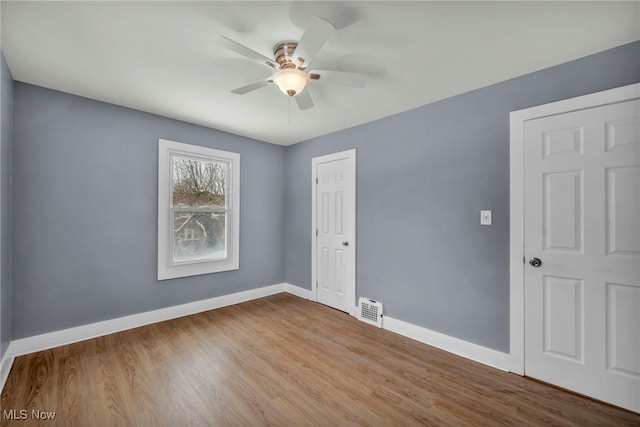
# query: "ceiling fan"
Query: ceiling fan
{"points": [[292, 60]]}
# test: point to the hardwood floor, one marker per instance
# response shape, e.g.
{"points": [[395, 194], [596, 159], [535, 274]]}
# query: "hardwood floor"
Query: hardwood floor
{"points": [[280, 361]]}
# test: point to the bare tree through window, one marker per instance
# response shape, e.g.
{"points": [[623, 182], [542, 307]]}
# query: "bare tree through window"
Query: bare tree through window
{"points": [[199, 209]]}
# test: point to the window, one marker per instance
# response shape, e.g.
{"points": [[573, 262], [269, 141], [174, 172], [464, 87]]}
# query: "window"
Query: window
{"points": [[198, 210]]}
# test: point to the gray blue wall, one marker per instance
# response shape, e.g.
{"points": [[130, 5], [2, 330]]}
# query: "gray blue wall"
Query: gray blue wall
{"points": [[85, 205], [85, 184], [422, 178], [6, 134]]}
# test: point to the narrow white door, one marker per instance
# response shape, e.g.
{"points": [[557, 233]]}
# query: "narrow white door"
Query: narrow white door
{"points": [[582, 251], [334, 230]]}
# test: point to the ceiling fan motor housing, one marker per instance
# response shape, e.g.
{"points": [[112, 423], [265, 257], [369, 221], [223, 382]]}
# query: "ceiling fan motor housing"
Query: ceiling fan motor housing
{"points": [[283, 53]]}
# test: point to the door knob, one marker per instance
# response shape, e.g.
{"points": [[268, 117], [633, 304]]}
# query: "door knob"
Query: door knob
{"points": [[535, 262], [345, 243]]}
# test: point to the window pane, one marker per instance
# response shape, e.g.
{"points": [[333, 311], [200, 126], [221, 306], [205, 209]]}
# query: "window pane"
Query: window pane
{"points": [[198, 183], [199, 236]]}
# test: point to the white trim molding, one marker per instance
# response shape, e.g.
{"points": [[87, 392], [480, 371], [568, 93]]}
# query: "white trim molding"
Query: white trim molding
{"points": [[46, 341], [516, 204], [5, 367], [298, 291], [49, 340], [68, 336], [486, 356]]}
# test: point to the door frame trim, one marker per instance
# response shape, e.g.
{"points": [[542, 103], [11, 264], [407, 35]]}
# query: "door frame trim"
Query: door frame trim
{"points": [[351, 156], [516, 203]]}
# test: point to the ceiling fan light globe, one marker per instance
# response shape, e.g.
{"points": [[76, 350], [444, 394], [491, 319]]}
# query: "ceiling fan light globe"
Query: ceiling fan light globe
{"points": [[291, 81]]}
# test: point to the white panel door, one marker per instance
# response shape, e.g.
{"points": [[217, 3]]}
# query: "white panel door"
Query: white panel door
{"points": [[582, 221], [335, 230]]}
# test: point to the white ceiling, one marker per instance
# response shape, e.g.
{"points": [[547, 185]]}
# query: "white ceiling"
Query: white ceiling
{"points": [[165, 57]]}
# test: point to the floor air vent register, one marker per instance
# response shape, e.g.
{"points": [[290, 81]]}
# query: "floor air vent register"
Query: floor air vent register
{"points": [[370, 312]]}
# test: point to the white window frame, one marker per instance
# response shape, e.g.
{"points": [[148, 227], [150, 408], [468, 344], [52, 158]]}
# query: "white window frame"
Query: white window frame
{"points": [[167, 269]]}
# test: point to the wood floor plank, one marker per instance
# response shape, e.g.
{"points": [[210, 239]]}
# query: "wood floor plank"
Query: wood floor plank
{"points": [[280, 361]]}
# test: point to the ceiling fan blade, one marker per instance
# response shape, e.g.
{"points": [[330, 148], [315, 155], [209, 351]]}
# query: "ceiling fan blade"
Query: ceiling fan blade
{"points": [[340, 78], [251, 87], [246, 52], [304, 101], [315, 36]]}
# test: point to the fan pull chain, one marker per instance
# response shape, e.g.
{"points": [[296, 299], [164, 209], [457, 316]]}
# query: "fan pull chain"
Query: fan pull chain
{"points": [[290, 110]]}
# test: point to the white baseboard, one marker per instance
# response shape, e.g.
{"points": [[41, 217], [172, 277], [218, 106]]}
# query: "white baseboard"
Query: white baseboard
{"points": [[298, 291], [475, 352], [68, 336], [5, 367], [93, 330], [468, 350], [46, 341]]}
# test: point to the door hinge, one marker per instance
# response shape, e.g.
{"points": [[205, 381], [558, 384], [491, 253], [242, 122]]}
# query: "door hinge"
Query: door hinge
{"points": [[316, 283], [316, 232], [316, 181]]}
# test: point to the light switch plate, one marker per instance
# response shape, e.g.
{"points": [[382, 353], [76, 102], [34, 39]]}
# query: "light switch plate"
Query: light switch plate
{"points": [[485, 217]]}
